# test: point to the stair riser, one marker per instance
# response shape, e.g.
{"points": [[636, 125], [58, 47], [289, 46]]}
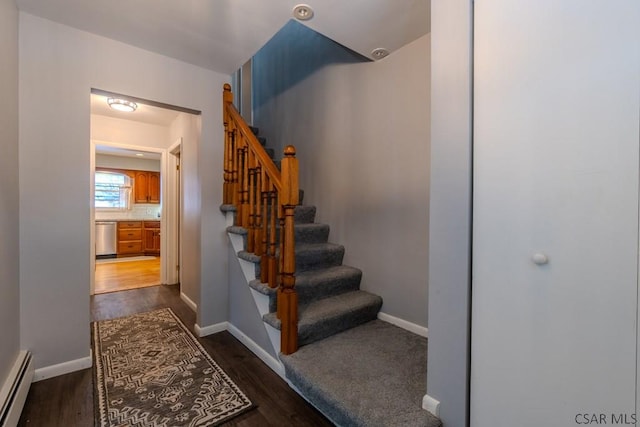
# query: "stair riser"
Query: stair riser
{"points": [[316, 234], [305, 215], [306, 260], [318, 259], [307, 294], [312, 292], [337, 324], [319, 234]]}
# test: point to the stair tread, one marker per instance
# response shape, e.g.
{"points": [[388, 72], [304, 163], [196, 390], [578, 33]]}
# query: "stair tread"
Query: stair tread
{"points": [[313, 278], [311, 225], [313, 247], [329, 308], [235, 229], [248, 256], [335, 306], [321, 276]]}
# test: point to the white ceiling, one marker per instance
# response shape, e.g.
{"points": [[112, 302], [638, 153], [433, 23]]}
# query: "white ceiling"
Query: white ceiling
{"points": [[124, 152], [221, 35], [144, 113]]}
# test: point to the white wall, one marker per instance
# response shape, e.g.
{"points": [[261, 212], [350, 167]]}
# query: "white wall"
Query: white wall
{"points": [[243, 313], [450, 215], [9, 248], [187, 127], [362, 136], [57, 62]]}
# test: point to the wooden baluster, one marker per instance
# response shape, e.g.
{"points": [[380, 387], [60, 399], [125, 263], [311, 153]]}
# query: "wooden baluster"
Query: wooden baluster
{"points": [[230, 164], [287, 295], [257, 235], [281, 238], [225, 164], [266, 201], [272, 265], [243, 213], [251, 205], [235, 179], [240, 166]]}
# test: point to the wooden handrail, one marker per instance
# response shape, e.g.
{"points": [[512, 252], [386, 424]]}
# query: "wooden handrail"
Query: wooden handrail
{"points": [[265, 199]]}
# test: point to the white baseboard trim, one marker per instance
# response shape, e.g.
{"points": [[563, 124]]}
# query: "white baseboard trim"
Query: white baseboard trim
{"points": [[431, 405], [268, 359], [203, 331], [14, 391], [63, 368], [411, 327], [192, 305]]}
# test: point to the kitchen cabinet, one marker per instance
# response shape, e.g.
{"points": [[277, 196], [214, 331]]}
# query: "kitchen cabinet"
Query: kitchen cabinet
{"points": [[151, 238], [146, 187], [130, 238]]}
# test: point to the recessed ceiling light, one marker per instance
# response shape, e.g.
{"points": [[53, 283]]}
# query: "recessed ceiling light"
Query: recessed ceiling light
{"points": [[122, 104], [379, 53], [303, 12], [139, 154]]}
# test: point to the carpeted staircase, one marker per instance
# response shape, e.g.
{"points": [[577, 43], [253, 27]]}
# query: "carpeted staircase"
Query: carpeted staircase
{"points": [[329, 295], [331, 305]]}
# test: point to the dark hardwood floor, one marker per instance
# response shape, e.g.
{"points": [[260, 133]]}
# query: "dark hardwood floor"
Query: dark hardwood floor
{"points": [[67, 400]]}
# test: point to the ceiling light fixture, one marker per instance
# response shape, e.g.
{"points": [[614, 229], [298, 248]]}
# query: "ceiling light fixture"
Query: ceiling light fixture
{"points": [[122, 104], [139, 154], [302, 12], [379, 53]]}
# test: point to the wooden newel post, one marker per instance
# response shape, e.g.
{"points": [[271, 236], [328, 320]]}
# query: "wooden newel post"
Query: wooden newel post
{"points": [[287, 296]]}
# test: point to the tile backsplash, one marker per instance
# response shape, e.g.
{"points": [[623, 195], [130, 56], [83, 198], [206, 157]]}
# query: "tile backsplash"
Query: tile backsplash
{"points": [[139, 211]]}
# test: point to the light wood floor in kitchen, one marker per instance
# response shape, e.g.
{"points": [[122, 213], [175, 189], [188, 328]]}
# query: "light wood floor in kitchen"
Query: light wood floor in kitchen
{"points": [[122, 276]]}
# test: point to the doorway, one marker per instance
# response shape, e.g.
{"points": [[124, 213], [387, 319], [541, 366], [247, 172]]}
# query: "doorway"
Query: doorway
{"points": [[128, 218], [135, 145]]}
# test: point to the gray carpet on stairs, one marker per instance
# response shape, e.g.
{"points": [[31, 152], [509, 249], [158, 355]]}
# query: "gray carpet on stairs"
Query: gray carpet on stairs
{"points": [[358, 371], [373, 375], [323, 318]]}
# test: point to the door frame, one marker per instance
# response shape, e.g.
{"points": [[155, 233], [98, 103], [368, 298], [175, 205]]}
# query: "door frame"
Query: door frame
{"points": [[173, 208], [165, 194]]}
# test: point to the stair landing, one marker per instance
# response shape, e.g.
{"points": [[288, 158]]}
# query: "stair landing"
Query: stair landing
{"points": [[371, 375]]}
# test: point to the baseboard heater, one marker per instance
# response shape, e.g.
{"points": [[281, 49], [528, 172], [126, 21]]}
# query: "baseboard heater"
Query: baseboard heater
{"points": [[14, 391]]}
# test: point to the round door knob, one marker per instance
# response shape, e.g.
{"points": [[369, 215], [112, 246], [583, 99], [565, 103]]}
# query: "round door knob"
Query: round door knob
{"points": [[540, 259]]}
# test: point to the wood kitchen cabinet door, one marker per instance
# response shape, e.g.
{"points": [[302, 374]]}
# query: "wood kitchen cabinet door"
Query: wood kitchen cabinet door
{"points": [[154, 188], [147, 187], [141, 187], [151, 237]]}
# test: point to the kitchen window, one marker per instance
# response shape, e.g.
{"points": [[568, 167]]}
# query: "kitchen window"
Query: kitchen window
{"points": [[112, 191]]}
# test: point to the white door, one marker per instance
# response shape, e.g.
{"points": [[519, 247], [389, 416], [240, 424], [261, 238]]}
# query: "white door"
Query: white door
{"points": [[556, 117]]}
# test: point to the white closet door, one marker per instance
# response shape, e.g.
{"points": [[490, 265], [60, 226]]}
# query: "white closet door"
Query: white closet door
{"points": [[556, 161]]}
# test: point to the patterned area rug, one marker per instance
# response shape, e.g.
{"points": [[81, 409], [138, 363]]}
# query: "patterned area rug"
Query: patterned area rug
{"points": [[150, 371]]}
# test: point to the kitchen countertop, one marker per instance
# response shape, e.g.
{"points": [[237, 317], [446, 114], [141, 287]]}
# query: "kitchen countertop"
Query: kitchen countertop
{"points": [[129, 219]]}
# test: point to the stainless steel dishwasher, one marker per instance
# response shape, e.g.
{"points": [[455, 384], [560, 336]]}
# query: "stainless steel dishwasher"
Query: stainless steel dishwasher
{"points": [[106, 239]]}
